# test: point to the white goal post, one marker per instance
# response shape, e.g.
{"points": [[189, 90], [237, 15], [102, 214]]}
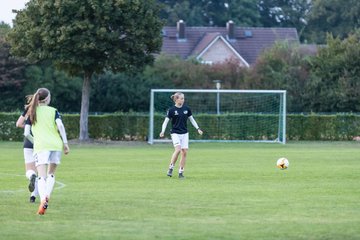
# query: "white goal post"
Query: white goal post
{"points": [[224, 115]]}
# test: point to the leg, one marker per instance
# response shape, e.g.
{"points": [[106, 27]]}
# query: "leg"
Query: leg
{"points": [[173, 160], [42, 164], [30, 168], [182, 163], [177, 148], [184, 150], [31, 175], [183, 159], [42, 180], [33, 181], [42, 188], [175, 155], [50, 180]]}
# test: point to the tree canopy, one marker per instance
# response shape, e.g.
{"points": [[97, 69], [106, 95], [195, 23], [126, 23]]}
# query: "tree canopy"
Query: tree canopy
{"points": [[313, 19], [88, 36], [211, 13], [338, 17]]}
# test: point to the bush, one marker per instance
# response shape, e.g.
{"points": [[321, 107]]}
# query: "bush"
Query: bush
{"points": [[134, 126]]}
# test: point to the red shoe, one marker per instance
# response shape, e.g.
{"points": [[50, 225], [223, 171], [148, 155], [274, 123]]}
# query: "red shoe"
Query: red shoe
{"points": [[43, 206]]}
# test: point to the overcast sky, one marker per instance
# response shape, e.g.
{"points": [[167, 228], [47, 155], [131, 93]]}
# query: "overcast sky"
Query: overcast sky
{"points": [[6, 7]]}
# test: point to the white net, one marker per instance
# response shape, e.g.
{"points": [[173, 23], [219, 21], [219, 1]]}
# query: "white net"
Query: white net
{"points": [[225, 115]]}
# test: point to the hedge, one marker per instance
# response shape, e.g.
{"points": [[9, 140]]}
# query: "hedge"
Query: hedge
{"points": [[134, 126]]}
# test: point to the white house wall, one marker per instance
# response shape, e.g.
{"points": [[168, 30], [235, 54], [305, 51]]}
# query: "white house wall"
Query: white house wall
{"points": [[219, 52]]}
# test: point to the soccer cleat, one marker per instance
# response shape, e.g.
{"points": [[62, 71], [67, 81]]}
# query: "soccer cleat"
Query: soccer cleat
{"points": [[181, 176], [43, 206], [32, 199], [32, 183], [169, 173]]}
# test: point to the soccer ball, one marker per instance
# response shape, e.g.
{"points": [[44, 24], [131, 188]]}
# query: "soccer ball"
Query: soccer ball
{"points": [[282, 163]]}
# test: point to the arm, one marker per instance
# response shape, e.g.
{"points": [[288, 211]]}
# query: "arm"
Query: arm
{"points": [[193, 122], [20, 123], [27, 133], [163, 128], [62, 132]]}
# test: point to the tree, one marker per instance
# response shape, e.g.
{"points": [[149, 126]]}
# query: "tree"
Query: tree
{"points": [[284, 66], [285, 13], [211, 13], [338, 17], [4, 29], [65, 90], [192, 13], [336, 74], [88, 36], [12, 74], [243, 12]]}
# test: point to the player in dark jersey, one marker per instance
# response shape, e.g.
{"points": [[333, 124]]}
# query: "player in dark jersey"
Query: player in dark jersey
{"points": [[30, 168], [179, 133]]}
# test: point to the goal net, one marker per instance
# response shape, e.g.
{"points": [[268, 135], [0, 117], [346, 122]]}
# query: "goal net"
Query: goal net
{"points": [[224, 115]]}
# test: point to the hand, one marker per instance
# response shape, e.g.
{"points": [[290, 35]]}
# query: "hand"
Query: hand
{"points": [[162, 134], [200, 131], [66, 148]]}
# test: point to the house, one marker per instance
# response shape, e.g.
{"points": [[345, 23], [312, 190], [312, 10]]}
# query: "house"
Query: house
{"points": [[216, 44]]}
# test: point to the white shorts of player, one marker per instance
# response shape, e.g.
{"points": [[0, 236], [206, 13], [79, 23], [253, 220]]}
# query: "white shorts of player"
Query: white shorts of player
{"points": [[28, 155], [180, 139], [47, 157]]}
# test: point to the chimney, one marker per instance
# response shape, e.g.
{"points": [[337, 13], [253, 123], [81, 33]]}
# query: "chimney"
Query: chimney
{"points": [[230, 26], [181, 30]]}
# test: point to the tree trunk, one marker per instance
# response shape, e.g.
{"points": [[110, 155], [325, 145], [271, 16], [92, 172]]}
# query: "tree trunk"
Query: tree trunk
{"points": [[85, 99]]}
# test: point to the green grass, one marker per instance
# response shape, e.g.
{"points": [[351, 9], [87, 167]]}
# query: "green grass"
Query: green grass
{"points": [[231, 191]]}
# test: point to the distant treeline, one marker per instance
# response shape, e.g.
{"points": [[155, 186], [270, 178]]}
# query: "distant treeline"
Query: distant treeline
{"points": [[312, 19], [328, 81]]}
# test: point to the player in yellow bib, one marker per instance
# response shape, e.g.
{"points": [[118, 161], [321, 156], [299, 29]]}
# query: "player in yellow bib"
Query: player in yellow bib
{"points": [[49, 138]]}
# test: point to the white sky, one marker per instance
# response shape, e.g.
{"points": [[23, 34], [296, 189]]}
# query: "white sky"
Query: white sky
{"points": [[6, 7]]}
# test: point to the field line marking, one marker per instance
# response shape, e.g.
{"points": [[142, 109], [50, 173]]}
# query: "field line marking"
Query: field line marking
{"points": [[60, 184]]}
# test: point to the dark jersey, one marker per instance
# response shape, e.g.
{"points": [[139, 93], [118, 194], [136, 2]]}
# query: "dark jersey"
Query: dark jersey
{"points": [[179, 118], [27, 143]]}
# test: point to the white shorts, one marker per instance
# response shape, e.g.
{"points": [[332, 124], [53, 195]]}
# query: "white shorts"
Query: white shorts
{"points": [[47, 157], [180, 139], [28, 155]]}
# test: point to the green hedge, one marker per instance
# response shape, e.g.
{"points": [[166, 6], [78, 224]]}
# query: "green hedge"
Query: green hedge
{"points": [[335, 127], [134, 126]]}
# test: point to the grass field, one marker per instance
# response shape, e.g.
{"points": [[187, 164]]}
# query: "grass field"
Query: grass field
{"points": [[231, 191]]}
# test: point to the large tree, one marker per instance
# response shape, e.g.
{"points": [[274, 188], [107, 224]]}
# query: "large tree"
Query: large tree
{"points": [[284, 13], [87, 37]]}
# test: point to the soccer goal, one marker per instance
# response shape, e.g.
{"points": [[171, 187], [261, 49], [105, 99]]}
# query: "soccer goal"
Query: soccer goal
{"points": [[224, 115]]}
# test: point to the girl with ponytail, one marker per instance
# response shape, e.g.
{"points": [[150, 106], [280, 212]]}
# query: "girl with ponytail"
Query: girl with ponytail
{"points": [[179, 113], [49, 138]]}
